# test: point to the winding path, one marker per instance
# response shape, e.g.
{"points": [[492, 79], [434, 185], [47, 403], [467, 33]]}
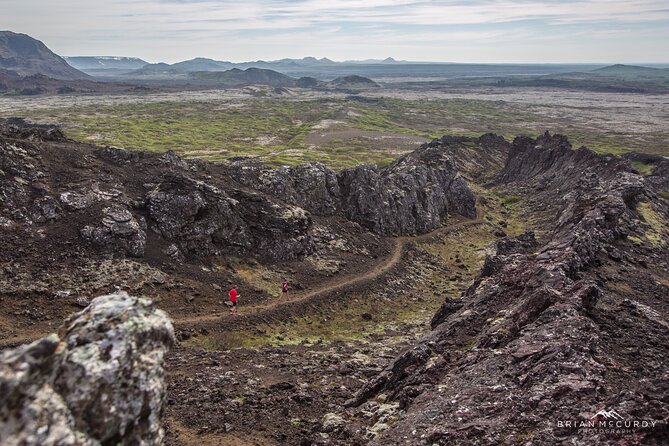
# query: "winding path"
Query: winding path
{"points": [[376, 270]]}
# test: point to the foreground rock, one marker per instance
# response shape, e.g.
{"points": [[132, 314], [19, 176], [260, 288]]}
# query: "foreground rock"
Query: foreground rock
{"points": [[102, 383]]}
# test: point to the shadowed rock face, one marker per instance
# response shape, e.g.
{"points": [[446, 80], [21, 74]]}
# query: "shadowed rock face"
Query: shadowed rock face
{"points": [[198, 217], [530, 341], [102, 383], [413, 195], [659, 176]]}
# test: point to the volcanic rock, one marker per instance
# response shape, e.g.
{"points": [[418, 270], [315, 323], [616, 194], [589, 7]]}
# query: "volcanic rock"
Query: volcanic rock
{"points": [[103, 383], [528, 345]]}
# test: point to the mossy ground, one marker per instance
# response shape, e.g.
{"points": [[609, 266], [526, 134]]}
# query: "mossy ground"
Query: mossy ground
{"points": [[274, 128], [257, 276], [387, 310], [643, 168]]}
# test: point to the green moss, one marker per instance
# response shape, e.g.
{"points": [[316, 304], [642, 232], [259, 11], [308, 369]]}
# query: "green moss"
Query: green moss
{"points": [[204, 342], [275, 129], [657, 232], [643, 168], [510, 199]]}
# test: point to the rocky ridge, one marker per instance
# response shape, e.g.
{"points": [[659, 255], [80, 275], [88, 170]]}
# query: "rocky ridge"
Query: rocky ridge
{"points": [[190, 209], [528, 344], [413, 195]]}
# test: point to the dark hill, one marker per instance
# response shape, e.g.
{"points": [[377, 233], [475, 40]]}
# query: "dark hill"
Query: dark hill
{"points": [[353, 82], [245, 77], [306, 82], [27, 56], [155, 69], [202, 64], [618, 69]]}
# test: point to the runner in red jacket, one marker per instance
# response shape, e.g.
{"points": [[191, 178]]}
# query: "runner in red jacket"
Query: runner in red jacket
{"points": [[284, 286], [233, 300]]}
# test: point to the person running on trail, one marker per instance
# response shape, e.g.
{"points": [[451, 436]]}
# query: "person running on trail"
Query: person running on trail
{"points": [[284, 286], [233, 301]]}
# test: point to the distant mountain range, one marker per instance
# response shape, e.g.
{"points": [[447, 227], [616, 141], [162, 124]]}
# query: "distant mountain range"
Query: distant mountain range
{"points": [[261, 76], [102, 62], [26, 56], [203, 64], [27, 66], [614, 79], [133, 67]]}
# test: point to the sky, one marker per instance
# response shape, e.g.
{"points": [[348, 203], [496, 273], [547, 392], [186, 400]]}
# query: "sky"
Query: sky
{"points": [[492, 31]]}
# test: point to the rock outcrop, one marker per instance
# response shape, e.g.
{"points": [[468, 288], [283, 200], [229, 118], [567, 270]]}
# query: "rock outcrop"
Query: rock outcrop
{"points": [[118, 232], [413, 195], [658, 178], [201, 220], [102, 383], [313, 186], [116, 200], [529, 344]]}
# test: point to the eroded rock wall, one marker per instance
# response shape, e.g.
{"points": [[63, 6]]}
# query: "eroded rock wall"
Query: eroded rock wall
{"points": [[529, 344], [116, 200]]}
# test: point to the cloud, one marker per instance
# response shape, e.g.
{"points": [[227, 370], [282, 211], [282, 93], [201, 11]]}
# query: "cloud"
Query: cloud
{"points": [[175, 29]]}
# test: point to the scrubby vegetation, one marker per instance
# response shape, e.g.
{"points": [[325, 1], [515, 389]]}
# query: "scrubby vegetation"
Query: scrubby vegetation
{"points": [[277, 129]]}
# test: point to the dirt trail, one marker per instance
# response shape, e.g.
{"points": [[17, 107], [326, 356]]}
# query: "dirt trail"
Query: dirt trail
{"points": [[376, 270]]}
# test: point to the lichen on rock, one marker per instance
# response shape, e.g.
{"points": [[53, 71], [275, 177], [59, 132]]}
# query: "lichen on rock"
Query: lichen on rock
{"points": [[102, 383]]}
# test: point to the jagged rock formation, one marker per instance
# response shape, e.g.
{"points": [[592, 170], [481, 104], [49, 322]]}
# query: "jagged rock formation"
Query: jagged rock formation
{"points": [[118, 231], [413, 195], [658, 179], [541, 337], [313, 187], [127, 203], [198, 217], [477, 158], [103, 383]]}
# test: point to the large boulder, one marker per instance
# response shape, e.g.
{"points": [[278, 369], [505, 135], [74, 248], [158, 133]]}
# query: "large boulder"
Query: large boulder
{"points": [[118, 232], [102, 383]]}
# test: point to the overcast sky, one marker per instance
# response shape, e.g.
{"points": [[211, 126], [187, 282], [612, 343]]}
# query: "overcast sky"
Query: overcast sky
{"points": [[629, 31]]}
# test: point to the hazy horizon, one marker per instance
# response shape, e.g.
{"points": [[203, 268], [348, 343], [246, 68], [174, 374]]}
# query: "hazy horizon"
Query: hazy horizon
{"points": [[381, 58], [451, 31]]}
